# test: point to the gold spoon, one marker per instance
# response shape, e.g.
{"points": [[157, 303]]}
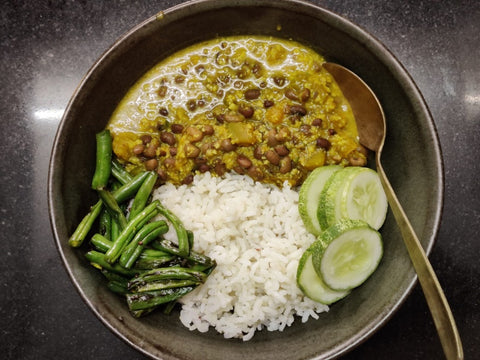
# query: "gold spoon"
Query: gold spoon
{"points": [[371, 126]]}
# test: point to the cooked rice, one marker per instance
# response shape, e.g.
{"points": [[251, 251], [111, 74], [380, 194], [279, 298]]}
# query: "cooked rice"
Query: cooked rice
{"points": [[256, 235]]}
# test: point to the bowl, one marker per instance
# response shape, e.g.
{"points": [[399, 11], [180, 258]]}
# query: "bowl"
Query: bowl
{"points": [[412, 161]]}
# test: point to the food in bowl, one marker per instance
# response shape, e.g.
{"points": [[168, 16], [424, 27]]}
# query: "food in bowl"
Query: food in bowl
{"points": [[260, 106], [230, 129]]}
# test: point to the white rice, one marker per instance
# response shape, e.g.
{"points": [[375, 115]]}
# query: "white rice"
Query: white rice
{"points": [[256, 235]]}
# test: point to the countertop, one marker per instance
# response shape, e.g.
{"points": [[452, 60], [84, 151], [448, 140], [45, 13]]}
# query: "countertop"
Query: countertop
{"points": [[45, 49]]}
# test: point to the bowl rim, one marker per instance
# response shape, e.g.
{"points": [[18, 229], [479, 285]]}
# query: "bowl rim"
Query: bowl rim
{"points": [[332, 18]]}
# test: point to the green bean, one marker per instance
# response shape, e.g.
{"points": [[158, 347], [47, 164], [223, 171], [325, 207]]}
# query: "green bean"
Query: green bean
{"points": [[154, 298], [117, 287], [182, 236], [103, 166], [143, 194], [121, 194], [169, 307], [85, 225], [115, 233], [166, 275], [120, 173], [98, 260], [112, 206], [111, 276], [129, 190], [143, 312], [150, 259], [166, 284], [190, 238], [116, 282], [105, 223], [146, 234], [130, 230], [196, 258], [101, 243]]}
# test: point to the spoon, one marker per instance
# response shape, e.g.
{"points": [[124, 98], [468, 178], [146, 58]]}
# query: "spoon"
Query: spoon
{"points": [[371, 127]]}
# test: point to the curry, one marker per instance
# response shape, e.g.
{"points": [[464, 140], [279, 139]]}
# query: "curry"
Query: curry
{"points": [[259, 106]]}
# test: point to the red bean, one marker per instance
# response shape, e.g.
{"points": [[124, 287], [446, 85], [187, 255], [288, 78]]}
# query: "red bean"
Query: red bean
{"points": [[357, 160], [203, 168], [252, 94], [194, 134], [191, 105], [297, 110], [233, 118], [246, 111], [162, 174], [162, 91], [273, 157], [177, 128], [244, 161], [285, 165], [255, 173], [150, 151], [191, 151], [257, 153], [289, 93], [268, 103], [272, 137], [208, 129], [305, 95], [151, 164], [323, 143], [227, 146], [138, 149], [188, 179], [279, 80], [282, 150], [220, 168], [169, 162], [146, 138], [167, 138]]}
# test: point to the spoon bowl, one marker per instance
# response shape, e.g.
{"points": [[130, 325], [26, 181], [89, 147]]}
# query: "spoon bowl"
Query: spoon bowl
{"points": [[371, 125]]}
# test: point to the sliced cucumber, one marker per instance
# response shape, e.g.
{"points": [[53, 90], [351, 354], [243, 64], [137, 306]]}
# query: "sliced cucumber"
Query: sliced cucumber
{"points": [[309, 196], [353, 193], [349, 252], [365, 199], [312, 285], [331, 198]]}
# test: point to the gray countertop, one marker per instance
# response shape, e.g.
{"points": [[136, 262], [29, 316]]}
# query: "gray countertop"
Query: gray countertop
{"points": [[45, 49]]}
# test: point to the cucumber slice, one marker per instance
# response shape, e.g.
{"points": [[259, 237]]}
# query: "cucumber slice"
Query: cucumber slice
{"points": [[309, 196], [365, 199], [331, 197], [312, 285], [353, 193], [350, 252]]}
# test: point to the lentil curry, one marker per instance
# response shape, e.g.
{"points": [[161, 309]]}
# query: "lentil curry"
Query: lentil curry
{"points": [[259, 106]]}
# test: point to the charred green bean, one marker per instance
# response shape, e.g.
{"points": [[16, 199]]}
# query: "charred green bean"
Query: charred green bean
{"points": [[103, 166], [146, 234], [143, 194]]}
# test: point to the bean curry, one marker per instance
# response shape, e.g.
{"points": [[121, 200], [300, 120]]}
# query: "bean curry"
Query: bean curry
{"points": [[259, 106]]}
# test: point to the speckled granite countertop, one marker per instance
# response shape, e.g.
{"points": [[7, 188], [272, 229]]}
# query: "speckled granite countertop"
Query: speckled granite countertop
{"points": [[45, 49]]}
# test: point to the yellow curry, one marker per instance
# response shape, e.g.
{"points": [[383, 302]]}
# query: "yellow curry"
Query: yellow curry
{"points": [[259, 106]]}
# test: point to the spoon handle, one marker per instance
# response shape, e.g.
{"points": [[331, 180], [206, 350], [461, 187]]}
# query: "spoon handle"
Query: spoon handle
{"points": [[439, 308]]}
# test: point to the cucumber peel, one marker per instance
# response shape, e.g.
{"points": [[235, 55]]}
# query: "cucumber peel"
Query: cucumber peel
{"points": [[313, 285], [309, 196]]}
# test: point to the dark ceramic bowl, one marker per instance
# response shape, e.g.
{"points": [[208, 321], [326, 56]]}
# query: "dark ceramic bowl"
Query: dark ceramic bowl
{"points": [[412, 160]]}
